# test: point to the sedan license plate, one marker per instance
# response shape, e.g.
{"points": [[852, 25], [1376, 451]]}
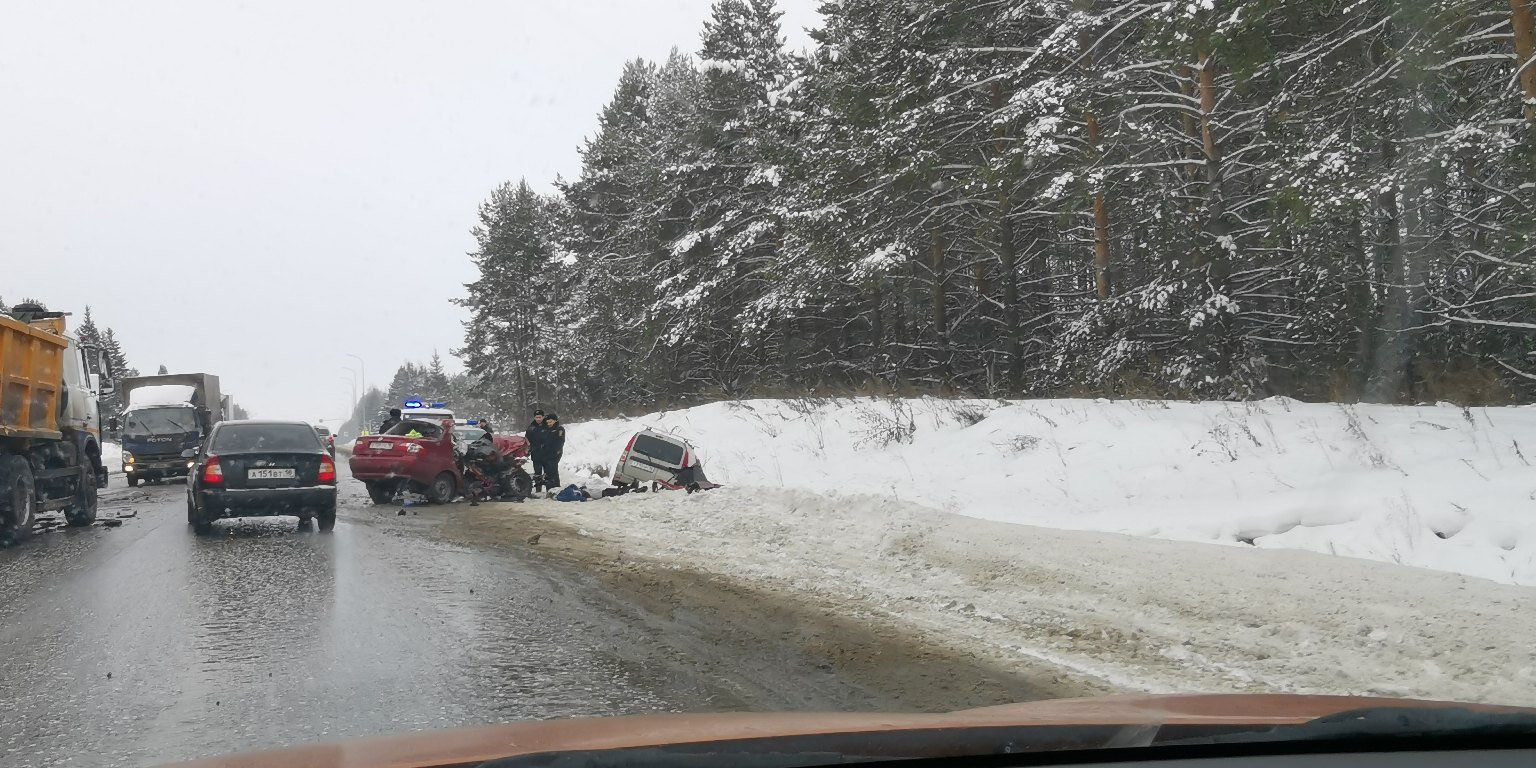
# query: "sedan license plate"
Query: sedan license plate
{"points": [[381, 446], [269, 474]]}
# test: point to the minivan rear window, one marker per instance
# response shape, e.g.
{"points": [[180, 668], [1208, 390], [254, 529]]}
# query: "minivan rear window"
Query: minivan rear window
{"points": [[660, 450], [265, 437]]}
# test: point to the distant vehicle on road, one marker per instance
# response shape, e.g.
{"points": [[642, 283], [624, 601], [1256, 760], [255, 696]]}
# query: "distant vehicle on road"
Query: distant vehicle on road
{"points": [[164, 416], [428, 465], [261, 468], [430, 412], [326, 438]]}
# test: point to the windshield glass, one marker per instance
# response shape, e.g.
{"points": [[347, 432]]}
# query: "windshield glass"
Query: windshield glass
{"points": [[233, 438], [464, 433], [1018, 351], [158, 421], [427, 430], [661, 450]]}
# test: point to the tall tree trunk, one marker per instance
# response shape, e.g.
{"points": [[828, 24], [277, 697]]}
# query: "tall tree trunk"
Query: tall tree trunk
{"points": [[1363, 308], [1215, 195], [1386, 382], [1191, 125], [1520, 18], [1007, 257], [1101, 277], [940, 304]]}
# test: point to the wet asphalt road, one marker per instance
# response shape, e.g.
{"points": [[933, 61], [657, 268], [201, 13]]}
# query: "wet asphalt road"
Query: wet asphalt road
{"points": [[145, 643]]}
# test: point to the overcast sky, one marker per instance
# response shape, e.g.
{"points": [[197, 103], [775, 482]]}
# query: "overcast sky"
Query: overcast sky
{"points": [[256, 189]]}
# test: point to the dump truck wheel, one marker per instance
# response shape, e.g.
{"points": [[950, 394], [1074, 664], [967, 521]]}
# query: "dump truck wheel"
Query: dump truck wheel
{"points": [[18, 499], [83, 511]]}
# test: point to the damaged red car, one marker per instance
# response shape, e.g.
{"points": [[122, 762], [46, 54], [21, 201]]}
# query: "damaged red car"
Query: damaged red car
{"points": [[422, 457]]}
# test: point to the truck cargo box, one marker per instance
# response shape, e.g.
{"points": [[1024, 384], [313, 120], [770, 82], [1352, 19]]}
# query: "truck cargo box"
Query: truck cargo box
{"points": [[31, 378]]}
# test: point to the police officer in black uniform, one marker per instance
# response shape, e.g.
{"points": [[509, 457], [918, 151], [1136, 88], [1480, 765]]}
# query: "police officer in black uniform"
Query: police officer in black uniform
{"points": [[394, 418], [548, 450]]}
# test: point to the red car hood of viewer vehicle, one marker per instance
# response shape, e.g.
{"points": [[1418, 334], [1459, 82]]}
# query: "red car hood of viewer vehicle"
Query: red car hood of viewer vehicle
{"points": [[470, 746]]}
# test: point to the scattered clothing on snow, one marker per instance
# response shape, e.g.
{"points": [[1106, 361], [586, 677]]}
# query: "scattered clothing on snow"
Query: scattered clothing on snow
{"points": [[573, 493]]}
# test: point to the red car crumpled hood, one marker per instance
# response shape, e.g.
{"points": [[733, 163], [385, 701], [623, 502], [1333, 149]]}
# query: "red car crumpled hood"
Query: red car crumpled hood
{"points": [[469, 746]]}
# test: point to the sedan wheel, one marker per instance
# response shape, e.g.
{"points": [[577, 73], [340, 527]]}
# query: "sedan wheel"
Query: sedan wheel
{"points": [[441, 490], [380, 491], [522, 483]]}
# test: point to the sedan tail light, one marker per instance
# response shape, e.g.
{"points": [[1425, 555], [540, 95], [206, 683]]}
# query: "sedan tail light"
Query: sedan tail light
{"points": [[327, 470], [212, 472]]}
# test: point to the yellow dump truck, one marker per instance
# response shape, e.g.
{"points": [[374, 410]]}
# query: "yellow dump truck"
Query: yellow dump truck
{"points": [[50, 422]]}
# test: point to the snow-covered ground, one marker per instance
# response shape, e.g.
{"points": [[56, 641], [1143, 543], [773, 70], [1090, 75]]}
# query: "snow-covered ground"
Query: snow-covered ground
{"points": [[1438, 487], [1125, 613], [1077, 535], [112, 457]]}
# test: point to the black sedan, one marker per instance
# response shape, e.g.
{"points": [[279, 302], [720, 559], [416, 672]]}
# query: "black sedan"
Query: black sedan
{"points": [[251, 468]]}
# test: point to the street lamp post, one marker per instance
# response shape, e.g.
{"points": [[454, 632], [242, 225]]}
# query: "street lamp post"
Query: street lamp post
{"points": [[363, 373], [351, 382], [359, 384]]}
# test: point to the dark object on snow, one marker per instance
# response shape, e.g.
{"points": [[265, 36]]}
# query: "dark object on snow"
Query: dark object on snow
{"points": [[534, 539], [573, 493], [111, 522]]}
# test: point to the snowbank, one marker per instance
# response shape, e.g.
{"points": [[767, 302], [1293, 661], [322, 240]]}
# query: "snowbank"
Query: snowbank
{"points": [[1133, 614], [1438, 487], [161, 394], [112, 457]]}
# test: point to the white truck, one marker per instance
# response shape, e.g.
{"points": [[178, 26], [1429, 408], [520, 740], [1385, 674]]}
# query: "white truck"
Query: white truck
{"points": [[50, 422]]}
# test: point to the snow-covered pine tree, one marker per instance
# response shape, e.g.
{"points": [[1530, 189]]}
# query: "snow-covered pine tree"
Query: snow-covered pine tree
{"points": [[506, 303], [86, 331], [611, 240], [716, 265]]}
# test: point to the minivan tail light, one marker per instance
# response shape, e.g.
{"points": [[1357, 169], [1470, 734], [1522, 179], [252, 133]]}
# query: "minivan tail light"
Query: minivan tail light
{"points": [[212, 472], [327, 470]]}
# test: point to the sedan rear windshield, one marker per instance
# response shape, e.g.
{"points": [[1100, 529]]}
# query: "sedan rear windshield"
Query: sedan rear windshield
{"points": [[265, 437], [658, 449], [426, 430]]}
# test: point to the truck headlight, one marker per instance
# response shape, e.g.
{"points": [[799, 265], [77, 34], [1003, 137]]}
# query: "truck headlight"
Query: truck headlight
{"points": [[127, 457]]}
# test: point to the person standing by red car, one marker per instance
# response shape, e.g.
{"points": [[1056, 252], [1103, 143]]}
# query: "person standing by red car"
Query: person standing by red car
{"points": [[535, 434], [547, 450]]}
